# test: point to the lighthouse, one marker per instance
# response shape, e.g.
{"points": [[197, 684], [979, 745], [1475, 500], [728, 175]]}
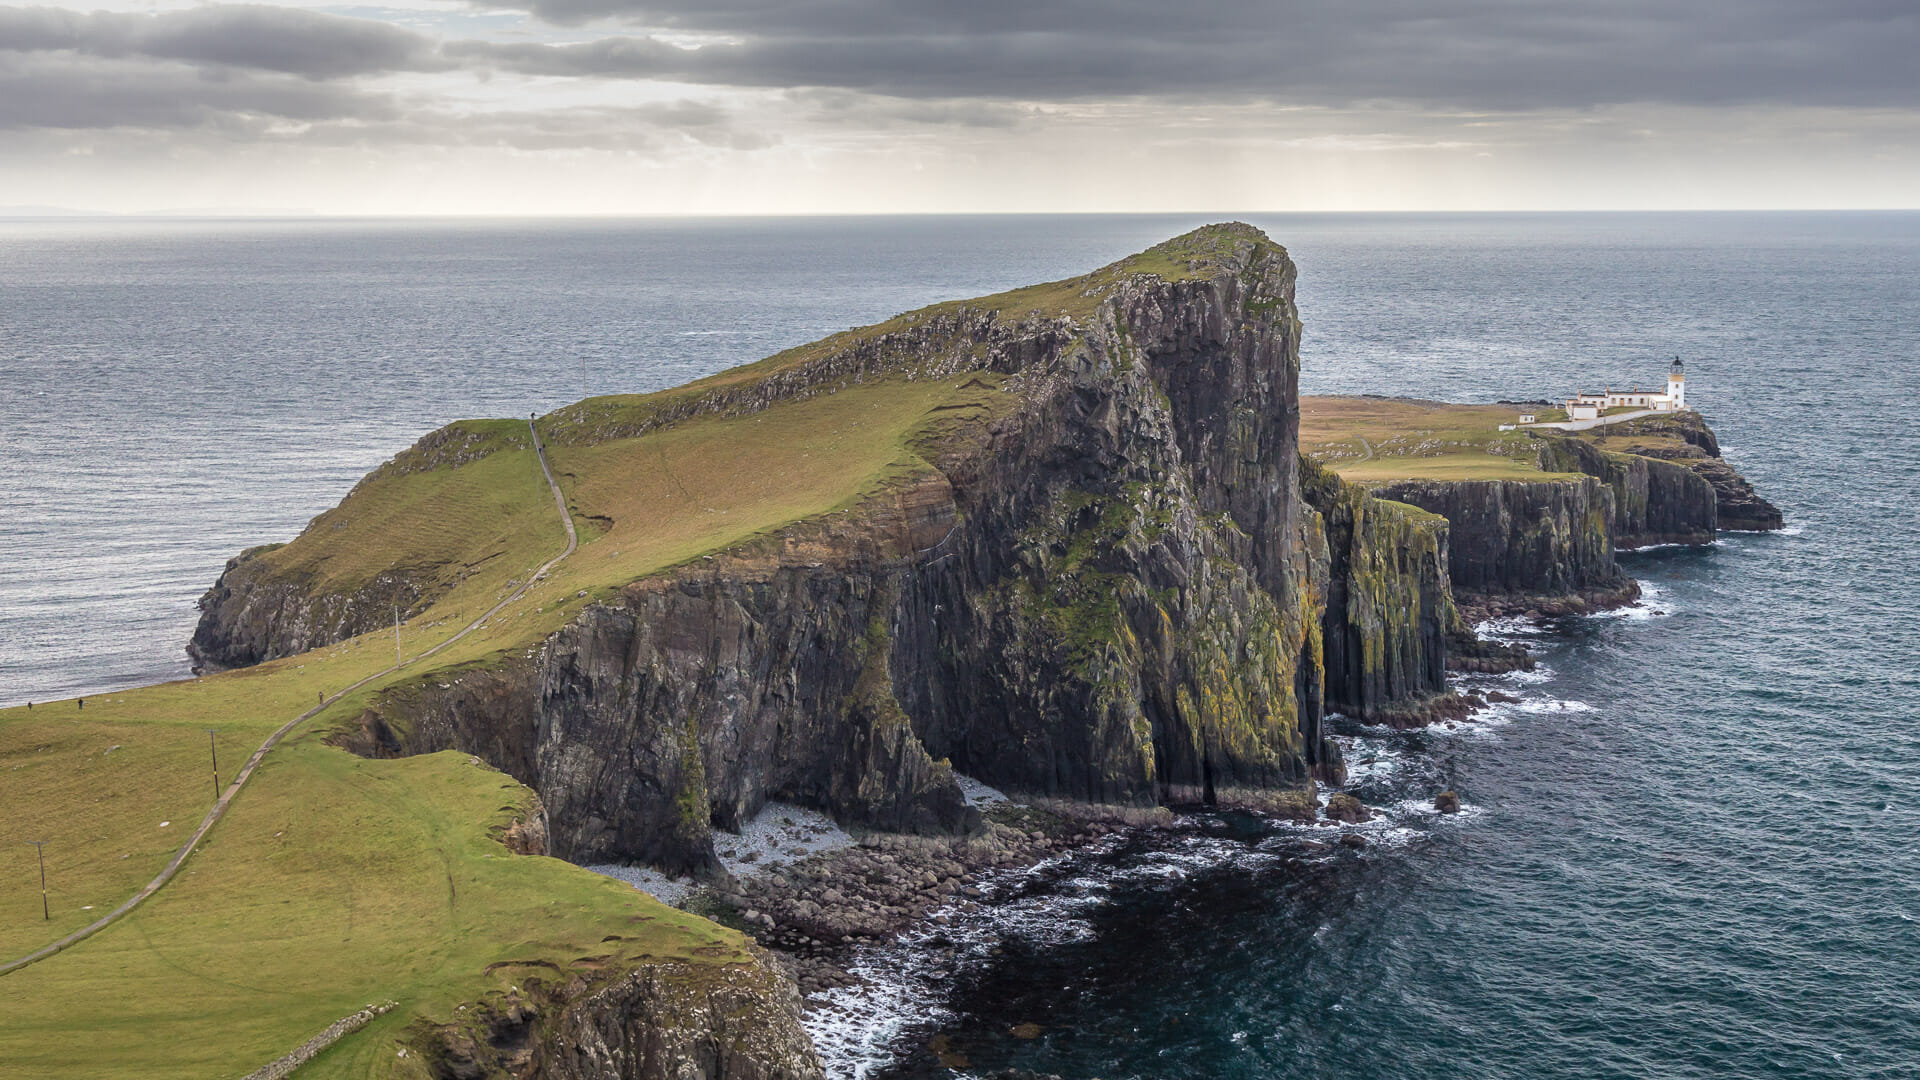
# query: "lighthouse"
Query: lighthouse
{"points": [[1677, 385]]}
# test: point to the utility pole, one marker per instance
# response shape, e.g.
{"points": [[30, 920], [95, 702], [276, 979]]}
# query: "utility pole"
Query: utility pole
{"points": [[583, 376], [396, 635], [215, 751], [41, 847]]}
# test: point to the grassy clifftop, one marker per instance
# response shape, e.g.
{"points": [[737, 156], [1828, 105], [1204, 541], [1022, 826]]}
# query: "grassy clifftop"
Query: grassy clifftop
{"points": [[1380, 440], [1370, 440]]}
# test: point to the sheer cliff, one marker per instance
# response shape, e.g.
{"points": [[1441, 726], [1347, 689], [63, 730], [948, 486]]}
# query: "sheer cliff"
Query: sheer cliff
{"points": [[1534, 515], [1090, 572]]}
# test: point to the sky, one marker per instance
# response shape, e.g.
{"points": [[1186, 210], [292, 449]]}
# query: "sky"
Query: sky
{"points": [[581, 107]]}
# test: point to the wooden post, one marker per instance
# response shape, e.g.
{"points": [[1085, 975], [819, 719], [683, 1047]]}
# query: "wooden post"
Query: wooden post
{"points": [[40, 846]]}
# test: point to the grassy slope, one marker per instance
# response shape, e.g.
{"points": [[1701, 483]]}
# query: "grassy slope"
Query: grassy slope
{"points": [[336, 881], [444, 526], [369, 830], [1415, 440]]}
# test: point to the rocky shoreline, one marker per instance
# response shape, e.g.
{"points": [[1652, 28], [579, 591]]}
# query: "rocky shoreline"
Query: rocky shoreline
{"points": [[814, 912], [812, 915], [1481, 608]]}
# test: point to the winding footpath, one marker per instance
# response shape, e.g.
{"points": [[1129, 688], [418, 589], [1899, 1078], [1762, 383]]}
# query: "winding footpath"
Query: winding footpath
{"points": [[240, 779]]}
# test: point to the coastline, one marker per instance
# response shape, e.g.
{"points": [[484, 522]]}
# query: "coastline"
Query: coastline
{"points": [[878, 997]]}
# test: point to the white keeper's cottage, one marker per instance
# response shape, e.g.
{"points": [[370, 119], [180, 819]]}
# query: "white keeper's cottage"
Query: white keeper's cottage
{"points": [[1590, 406]]}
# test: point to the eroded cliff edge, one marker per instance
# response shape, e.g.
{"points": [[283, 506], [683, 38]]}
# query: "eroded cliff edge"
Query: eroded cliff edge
{"points": [[1537, 516], [1098, 578]]}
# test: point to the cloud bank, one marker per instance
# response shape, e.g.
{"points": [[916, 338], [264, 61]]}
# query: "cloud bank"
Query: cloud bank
{"points": [[1446, 77]]}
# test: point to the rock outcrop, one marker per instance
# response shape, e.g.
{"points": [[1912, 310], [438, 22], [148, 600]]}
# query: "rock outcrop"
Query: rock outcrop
{"points": [[669, 1020], [281, 599], [1105, 586], [1389, 611], [1654, 501], [257, 612], [1546, 537], [1691, 444], [1548, 545]]}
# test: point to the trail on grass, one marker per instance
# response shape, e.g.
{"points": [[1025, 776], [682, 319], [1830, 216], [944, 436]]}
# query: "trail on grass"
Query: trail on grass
{"points": [[240, 779]]}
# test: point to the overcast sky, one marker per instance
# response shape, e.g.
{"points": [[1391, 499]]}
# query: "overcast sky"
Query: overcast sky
{"points": [[799, 106]]}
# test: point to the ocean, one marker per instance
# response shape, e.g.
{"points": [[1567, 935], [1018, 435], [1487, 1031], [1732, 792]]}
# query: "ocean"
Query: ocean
{"points": [[1691, 849]]}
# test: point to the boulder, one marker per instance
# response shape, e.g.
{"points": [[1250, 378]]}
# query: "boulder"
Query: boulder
{"points": [[1343, 807]]}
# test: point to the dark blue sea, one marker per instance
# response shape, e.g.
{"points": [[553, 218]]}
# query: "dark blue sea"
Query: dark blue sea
{"points": [[1691, 849]]}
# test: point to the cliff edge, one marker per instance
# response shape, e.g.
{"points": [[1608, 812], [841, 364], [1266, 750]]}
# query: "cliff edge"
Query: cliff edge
{"points": [[1537, 515], [1080, 563]]}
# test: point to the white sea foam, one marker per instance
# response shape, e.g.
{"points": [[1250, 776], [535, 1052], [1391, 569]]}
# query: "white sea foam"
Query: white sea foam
{"points": [[855, 1028], [1482, 723], [1540, 673], [1656, 601], [1548, 705], [903, 983], [1510, 627], [858, 1029]]}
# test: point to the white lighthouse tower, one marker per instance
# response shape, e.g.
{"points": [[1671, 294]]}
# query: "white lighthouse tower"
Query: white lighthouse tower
{"points": [[1677, 385]]}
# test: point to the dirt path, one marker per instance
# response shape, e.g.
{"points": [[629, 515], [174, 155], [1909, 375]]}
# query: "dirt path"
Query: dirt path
{"points": [[240, 779]]}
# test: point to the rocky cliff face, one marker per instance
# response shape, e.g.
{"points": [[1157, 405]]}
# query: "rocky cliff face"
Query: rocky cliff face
{"points": [[1107, 586], [1522, 537], [1690, 444], [661, 1021], [255, 613], [1549, 544], [1654, 501], [1389, 610]]}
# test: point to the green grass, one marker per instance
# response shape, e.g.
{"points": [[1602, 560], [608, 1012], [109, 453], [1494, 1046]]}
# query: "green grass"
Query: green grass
{"points": [[1381, 440], [334, 882], [441, 527], [1657, 436]]}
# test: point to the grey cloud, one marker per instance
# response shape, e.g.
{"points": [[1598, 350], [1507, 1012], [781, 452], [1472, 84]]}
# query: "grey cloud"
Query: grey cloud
{"points": [[174, 102], [979, 64], [257, 37], [1498, 54], [43, 93], [644, 128]]}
